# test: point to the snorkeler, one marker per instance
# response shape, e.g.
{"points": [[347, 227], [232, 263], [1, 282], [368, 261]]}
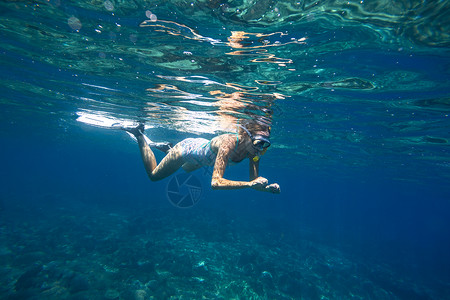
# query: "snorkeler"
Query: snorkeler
{"points": [[250, 141]]}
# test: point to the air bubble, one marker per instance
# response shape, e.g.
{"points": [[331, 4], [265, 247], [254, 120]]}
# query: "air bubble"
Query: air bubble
{"points": [[151, 16], [133, 38], [74, 23], [108, 5]]}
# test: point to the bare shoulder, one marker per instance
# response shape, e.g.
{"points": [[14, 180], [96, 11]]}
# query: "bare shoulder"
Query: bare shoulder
{"points": [[224, 142]]}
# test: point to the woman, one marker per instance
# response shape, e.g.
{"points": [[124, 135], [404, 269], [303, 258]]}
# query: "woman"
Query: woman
{"points": [[193, 153]]}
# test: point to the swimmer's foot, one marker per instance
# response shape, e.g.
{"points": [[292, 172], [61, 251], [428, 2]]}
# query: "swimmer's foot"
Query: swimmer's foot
{"points": [[164, 146], [136, 131]]}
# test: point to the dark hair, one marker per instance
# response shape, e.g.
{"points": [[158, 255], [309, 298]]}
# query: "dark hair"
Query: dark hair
{"points": [[254, 126]]}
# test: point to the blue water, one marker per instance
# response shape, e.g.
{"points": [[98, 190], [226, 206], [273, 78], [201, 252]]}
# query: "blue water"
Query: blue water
{"points": [[357, 95]]}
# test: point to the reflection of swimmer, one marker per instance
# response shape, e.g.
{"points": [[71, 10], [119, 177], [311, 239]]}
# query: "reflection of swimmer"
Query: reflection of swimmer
{"points": [[250, 141]]}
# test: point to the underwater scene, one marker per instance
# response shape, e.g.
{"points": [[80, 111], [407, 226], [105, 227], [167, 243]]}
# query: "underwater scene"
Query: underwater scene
{"points": [[225, 149]]}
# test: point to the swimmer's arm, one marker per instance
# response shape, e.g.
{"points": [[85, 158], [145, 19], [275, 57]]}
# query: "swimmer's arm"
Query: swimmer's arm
{"points": [[220, 183], [217, 181]]}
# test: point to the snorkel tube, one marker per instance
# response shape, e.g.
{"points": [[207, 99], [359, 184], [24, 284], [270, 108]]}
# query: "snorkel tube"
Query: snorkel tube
{"points": [[257, 157]]}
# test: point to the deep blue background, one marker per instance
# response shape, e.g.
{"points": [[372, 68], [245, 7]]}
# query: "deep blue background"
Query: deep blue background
{"points": [[393, 210], [401, 223]]}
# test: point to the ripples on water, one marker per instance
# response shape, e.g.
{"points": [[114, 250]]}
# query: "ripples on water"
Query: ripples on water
{"points": [[360, 82]]}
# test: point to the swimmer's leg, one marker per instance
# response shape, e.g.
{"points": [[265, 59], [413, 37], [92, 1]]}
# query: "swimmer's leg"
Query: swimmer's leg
{"points": [[139, 130], [170, 163]]}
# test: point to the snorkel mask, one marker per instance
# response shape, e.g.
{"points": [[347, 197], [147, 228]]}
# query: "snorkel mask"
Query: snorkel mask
{"points": [[259, 142]]}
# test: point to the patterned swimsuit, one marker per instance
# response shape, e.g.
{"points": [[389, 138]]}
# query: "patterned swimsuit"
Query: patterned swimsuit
{"points": [[198, 151]]}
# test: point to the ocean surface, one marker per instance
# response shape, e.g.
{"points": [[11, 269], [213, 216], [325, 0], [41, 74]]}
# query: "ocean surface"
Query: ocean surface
{"points": [[357, 95]]}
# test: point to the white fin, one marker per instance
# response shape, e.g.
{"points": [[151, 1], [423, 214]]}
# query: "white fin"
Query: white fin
{"points": [[105, 121], [145, 137]]}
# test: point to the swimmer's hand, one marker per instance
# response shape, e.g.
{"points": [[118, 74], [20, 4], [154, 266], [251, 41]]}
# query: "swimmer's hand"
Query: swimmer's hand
{"points": [[262, 184], [273, 188], [259, 183]]}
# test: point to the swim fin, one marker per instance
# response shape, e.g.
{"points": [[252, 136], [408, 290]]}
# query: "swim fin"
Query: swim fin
{"points": [[105, 121], [162, 146]]}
